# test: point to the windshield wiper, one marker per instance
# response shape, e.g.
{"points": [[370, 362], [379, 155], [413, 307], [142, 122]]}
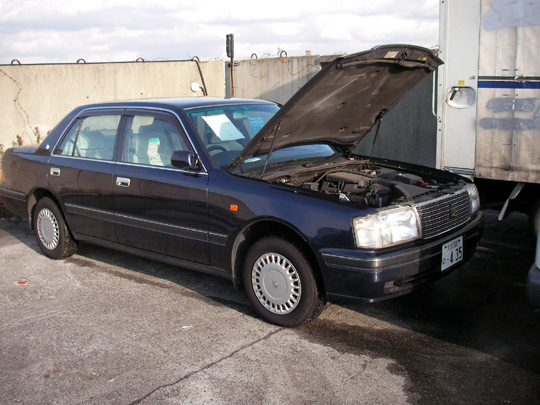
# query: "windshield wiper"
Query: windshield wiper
{"points": [[313, 163]]}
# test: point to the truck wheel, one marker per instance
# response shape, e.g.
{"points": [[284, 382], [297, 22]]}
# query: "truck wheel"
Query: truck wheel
{"points": [[534, 218], [51, 231], [280, 283]]}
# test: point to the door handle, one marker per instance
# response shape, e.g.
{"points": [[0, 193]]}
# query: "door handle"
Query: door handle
{"points": [[55, 171], [454, 92], [461, 97], [123, 181]]}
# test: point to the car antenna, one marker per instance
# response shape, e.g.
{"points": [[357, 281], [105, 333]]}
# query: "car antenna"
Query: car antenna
{"points": [[271, 149], [378, 120]]}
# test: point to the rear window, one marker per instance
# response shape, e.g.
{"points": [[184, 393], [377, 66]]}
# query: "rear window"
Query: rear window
{"points": [[91, 137]]}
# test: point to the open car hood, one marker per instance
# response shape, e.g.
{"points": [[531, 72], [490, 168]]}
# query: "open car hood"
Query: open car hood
{"points": [[340, 104]]}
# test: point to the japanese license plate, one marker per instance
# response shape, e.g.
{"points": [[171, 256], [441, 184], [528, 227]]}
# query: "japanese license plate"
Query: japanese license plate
{"points": [[452, 253]]}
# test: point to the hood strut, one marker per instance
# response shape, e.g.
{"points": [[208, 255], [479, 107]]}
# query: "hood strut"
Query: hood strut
{"points": [[378, 120], [271, 149]]}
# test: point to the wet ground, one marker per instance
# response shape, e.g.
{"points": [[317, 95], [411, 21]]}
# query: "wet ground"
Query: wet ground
{"points": [[108, 327], [470, 337]]}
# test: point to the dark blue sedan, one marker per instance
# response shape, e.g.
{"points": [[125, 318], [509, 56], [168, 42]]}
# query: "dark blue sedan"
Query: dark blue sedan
{"points": [[274, 199]]}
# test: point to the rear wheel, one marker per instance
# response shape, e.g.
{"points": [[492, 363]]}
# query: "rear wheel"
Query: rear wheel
{"points": [[280, 283], [51, 230]]}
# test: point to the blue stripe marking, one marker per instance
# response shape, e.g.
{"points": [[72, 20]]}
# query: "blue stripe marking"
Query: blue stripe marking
{"points": [[507, 84]]}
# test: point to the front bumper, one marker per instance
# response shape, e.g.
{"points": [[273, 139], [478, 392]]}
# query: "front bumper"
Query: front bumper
{"points": [[378, 275]]}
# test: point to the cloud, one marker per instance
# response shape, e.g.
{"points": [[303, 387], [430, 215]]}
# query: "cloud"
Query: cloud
{"points": [[35, 31]]}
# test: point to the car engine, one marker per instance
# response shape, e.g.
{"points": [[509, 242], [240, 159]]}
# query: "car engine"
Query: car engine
{"points": [[373, 185]]}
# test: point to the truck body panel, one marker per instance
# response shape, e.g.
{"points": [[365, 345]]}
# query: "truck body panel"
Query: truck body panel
{"points": [[488, 99], [489, 89], [497, 133]]}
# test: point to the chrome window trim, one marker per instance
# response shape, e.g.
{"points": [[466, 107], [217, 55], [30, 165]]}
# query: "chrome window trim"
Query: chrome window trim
{"points": [[112, 162], [124, 108], [174, 169], [228, 105], [61, 137]]}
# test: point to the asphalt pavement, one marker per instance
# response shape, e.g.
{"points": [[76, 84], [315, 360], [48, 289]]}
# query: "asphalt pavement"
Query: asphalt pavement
{"points": [[106, 327]]}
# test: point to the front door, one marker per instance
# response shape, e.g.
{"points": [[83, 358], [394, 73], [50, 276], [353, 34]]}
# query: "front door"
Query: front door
{"points": [[159, 208]]}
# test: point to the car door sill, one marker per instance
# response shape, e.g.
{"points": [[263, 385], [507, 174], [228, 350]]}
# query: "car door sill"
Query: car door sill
{"points": [[203, 268]]}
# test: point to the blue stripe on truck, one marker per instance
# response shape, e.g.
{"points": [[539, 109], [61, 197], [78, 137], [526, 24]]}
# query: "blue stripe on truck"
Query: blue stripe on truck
{"points": [[508, 84]]}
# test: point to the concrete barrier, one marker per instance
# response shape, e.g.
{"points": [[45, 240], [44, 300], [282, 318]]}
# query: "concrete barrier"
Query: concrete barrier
{"points": [[35, 97], [273, 79]]}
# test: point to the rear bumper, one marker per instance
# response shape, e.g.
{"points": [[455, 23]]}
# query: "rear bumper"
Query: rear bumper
{"points": [[14, 201], [378, 275]]}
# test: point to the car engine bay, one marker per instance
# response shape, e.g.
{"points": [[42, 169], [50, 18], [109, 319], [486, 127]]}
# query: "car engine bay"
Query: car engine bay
{"points": [[372, 185]]}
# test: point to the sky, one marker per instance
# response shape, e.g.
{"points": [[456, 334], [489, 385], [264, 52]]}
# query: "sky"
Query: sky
{"points": [[63, 31]]}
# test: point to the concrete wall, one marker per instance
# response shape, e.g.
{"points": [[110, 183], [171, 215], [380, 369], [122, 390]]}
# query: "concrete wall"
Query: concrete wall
{"points": [[273, 79], [38, 96]]}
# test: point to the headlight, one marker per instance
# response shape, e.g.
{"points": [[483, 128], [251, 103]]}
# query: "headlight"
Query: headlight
{"points": [[387, 228], [474, 196]]}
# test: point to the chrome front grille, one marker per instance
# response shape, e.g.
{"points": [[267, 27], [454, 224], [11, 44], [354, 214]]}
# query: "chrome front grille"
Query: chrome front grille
{"points": [[444, 213]]}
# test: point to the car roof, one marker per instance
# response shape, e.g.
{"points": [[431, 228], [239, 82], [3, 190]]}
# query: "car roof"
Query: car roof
{"points": [[179, 103], [175, 105]]}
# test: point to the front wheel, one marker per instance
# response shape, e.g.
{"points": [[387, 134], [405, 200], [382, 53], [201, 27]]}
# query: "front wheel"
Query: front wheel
{"points": [[51, 231], [280, 283]]}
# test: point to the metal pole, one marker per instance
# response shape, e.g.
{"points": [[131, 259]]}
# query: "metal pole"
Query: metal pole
{"points": [[230, 54], [232, 76]]}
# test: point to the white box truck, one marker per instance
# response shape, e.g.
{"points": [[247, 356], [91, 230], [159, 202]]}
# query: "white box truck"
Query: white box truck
{"points": [[488, 99]]}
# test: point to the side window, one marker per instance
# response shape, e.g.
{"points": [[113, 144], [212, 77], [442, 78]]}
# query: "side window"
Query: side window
{"points": [[151, 141], [91, 137]]}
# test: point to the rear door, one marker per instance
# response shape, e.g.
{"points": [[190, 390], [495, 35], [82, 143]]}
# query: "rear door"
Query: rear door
{"points": [[159, 208], [80, 172], [458, 85]]}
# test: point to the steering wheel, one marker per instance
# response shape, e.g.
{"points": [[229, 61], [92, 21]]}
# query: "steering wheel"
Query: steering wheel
{"points": [[215, 148]]}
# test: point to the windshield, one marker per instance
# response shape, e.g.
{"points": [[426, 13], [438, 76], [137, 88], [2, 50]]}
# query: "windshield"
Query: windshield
{"points": [[225, 130]]}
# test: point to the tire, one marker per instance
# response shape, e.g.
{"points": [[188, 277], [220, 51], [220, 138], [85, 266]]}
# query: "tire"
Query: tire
{"points": [[51, 231], [275, 266]]}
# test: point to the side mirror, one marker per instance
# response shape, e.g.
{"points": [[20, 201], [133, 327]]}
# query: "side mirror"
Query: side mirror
{"points": [[184, 159]]}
